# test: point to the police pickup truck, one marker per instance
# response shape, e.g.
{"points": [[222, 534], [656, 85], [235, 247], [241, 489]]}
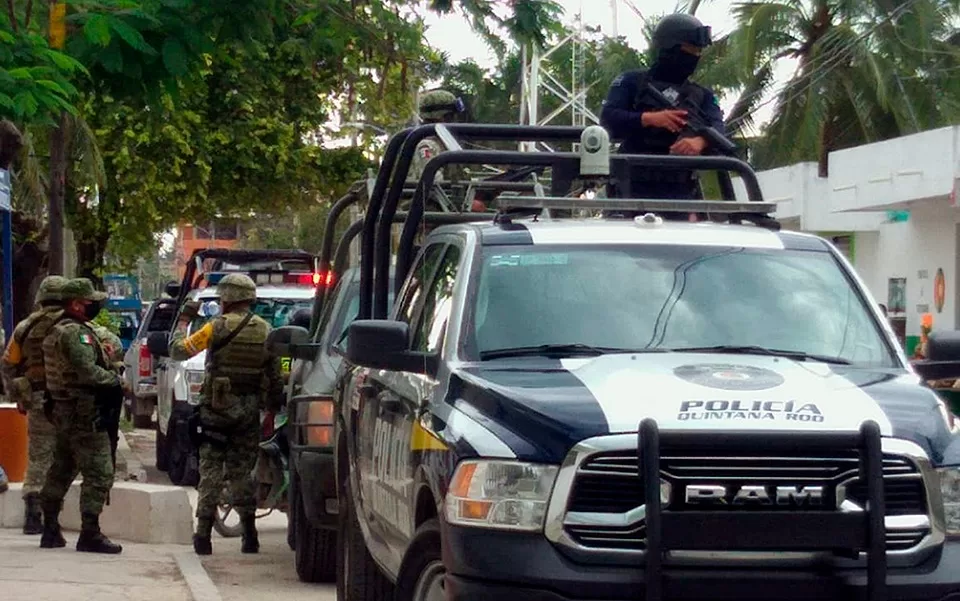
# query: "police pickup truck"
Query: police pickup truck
{"points": [[586, 408]]}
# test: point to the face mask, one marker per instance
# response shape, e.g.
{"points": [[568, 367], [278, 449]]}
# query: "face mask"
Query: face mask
{"points": [[92, 310], [674, 65]]}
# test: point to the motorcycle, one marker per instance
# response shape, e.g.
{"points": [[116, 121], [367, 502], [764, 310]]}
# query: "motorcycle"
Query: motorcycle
{"points": [[271, 476]]}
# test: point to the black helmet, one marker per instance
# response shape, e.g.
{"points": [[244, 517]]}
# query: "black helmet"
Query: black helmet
{"points": [[680, 28]]}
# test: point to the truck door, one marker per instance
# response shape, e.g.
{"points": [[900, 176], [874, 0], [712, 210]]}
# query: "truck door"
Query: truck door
{"points": [[383, 422]]}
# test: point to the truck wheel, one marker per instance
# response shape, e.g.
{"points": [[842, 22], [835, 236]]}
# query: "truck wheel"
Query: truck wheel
{"points": [[315, 550], [226, 514], [358, 576], [421, 577], [163, 457]]}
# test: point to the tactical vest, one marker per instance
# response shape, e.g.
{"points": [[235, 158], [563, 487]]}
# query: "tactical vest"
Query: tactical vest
{"points": [[29, 335], [62, 377], [656, 140], [243, 358]]}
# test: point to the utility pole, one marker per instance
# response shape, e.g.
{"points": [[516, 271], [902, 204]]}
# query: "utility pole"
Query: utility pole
{"points": [[11, 141], [58, 153]]}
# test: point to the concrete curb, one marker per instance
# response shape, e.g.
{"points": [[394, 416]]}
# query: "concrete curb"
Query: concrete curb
{"points": [[132, 467], [198, 581], [144, 513]]}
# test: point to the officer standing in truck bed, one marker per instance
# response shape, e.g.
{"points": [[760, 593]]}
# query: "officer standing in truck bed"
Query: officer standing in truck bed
{"points": [[645, 127]]}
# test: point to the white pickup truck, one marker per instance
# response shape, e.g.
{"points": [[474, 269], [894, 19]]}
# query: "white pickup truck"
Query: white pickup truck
{"points": [[178, 382]]}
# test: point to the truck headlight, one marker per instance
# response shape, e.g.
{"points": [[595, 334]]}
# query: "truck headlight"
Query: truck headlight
{"points": [[950, 491], [194, 384], [507, 495]]}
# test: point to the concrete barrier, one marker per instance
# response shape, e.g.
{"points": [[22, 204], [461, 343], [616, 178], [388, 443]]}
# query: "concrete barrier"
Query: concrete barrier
{"points": [[144, 513]]}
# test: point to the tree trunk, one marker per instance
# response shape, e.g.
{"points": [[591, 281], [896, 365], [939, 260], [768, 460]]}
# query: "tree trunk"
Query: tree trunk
{"points": [[90, 258], [825, 146], [29, 258], [58, 184]]}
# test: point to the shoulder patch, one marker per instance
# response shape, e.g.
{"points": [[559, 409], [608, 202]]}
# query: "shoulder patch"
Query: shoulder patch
{"points": [[86, 338]]}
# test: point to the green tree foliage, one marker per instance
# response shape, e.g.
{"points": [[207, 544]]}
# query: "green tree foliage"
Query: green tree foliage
{"points": [[867, 71], [35, 80]]}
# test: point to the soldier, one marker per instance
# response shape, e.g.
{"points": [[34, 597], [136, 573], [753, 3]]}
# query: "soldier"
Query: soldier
{"points": [[78, 378], [436, 106], [242, 377], [25, 382], [647, 128]]}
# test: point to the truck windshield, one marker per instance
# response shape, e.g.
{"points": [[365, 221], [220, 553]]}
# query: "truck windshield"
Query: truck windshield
{"points": [[670, 297]]}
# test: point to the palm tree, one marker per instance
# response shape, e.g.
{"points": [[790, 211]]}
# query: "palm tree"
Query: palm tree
{"points": [[867, 70]]}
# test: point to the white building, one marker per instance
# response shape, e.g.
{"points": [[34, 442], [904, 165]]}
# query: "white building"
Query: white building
{"points": [[893, 207]]}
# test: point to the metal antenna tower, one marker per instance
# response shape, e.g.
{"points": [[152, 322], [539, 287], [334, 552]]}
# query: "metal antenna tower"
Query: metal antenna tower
{"points": [[537, 76]]}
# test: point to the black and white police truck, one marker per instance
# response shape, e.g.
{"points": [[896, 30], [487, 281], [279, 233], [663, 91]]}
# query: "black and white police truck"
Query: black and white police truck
{"points": [[585, 408]]}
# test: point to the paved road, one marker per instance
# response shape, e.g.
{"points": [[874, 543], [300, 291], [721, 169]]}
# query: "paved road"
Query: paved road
{"points": [[241, 577]]}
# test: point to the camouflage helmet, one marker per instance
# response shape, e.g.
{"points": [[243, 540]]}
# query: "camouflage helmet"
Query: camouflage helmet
{"points": [[81, 288], [437, 104], [236, 288], [51, 289]]}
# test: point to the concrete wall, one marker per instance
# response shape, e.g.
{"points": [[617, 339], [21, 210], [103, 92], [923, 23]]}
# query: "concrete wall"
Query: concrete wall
{"points": [[919, 173]]}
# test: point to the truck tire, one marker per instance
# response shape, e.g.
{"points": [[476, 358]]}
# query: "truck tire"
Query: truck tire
{"points": [[315, 549], [163, 456], [293, 499], [142, 421], [358, 576], [421, 575]]}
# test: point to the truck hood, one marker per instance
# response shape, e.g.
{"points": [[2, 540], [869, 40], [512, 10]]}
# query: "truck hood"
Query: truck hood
{"points": [[542, 407]]}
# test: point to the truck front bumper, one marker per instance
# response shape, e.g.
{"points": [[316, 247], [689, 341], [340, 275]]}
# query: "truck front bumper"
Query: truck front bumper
{"points": [[484, 564]]}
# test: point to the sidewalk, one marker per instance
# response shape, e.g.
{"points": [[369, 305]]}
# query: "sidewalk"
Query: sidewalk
{"points": [[143, 572]]}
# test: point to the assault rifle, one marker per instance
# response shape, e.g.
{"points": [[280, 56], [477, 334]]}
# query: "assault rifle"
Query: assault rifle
{"points": [[695, 121]]}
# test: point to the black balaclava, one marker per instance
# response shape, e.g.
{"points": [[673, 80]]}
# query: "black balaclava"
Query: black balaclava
{"points": [[93, 309], [673, 65]]}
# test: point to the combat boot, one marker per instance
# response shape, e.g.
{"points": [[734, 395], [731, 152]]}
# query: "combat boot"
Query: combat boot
{"points": [[201, 540], [91, 539], [52, 537], [32, 521], [251, 543]]}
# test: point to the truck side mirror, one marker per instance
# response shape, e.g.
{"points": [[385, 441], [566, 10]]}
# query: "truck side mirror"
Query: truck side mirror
{"points": [[291, 341], [385, 344]]}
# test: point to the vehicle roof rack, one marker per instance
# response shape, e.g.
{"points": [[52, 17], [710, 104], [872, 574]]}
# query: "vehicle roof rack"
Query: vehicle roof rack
{"points": [[512, 206], [391, 181]]}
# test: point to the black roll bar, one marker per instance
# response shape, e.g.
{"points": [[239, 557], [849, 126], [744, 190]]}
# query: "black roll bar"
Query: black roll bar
{"points": [[382, 258], [368, 241], [380, 209], [408, 140]]}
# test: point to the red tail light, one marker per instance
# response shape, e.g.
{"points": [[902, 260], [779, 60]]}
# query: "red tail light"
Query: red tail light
{"points": [[146, 360], [310, 279]]}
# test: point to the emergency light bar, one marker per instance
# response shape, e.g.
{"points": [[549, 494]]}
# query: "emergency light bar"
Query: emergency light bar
{"points": [[279, 277], [515, 203]]}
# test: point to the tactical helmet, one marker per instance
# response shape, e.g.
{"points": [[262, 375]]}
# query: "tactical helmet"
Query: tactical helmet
{"points": [[680, 28], [81, 288], [236, 288], [437, 104], [51, 289]]}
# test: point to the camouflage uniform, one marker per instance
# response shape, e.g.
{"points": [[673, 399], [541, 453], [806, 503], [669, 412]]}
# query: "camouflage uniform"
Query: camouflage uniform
{"points": [[76, 367], [435, 107], [242, 377], [111, 343], [25, 383]]}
